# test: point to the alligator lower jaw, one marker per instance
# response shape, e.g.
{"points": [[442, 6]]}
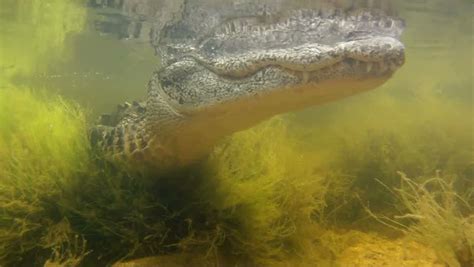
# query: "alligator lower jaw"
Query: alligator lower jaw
{"points": [[263, 105], [204, 127]]}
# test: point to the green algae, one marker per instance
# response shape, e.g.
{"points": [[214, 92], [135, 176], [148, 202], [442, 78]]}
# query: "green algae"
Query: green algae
{"points": [[59, 201], [264, 194], [356, 147], [434, 214], [43, 147], [255, 200]]}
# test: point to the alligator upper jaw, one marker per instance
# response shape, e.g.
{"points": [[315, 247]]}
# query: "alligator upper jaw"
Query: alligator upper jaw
{"points": [[384, 53]]}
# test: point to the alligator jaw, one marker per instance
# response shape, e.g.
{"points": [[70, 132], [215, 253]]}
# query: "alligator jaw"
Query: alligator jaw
{"points": [[199, 130], [199, 80], [259, 95]]}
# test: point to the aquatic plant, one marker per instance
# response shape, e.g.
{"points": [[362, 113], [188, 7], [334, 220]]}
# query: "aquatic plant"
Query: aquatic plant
{"points": [[62, 204], [435, 215], [359, 147], [263, 194], [59, 202], [255, 200], [43, 147], [68, 248]]}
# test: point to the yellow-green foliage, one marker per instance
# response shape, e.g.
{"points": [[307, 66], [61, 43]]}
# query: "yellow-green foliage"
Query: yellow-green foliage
{"points": [[48, 133], [434, 214], [43, 147], [56, 205], [362, 145], [33, 32], [264, 194], [68, 249]]}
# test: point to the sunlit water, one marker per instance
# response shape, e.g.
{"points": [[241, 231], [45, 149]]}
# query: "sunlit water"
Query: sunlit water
{"points": [[102, 69]]}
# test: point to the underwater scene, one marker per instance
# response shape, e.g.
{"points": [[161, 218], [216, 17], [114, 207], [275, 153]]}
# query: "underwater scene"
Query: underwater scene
{"points": [[236, 133]]}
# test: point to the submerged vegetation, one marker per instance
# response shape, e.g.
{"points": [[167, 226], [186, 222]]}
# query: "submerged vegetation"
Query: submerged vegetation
{"points": [[42, 149], [255, 200], [373, 148], [264, 194], [59, 206], [437, 216]]}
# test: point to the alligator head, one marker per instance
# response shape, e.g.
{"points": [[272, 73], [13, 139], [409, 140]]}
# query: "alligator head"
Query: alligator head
{"points": [[227, 66]]}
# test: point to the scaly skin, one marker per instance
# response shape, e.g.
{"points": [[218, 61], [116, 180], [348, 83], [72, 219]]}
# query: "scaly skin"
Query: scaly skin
{"points": [[227, 66]]}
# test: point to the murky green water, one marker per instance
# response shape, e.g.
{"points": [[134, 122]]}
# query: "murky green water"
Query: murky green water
{"points": [[100, 69], [97, 69], [304, 195]]}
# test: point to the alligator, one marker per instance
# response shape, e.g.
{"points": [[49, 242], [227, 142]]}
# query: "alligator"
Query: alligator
{"points": [[227, 65]]}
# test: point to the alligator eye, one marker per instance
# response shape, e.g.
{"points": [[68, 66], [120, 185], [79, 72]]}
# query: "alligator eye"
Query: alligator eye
{"points": [[211, 46]]}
